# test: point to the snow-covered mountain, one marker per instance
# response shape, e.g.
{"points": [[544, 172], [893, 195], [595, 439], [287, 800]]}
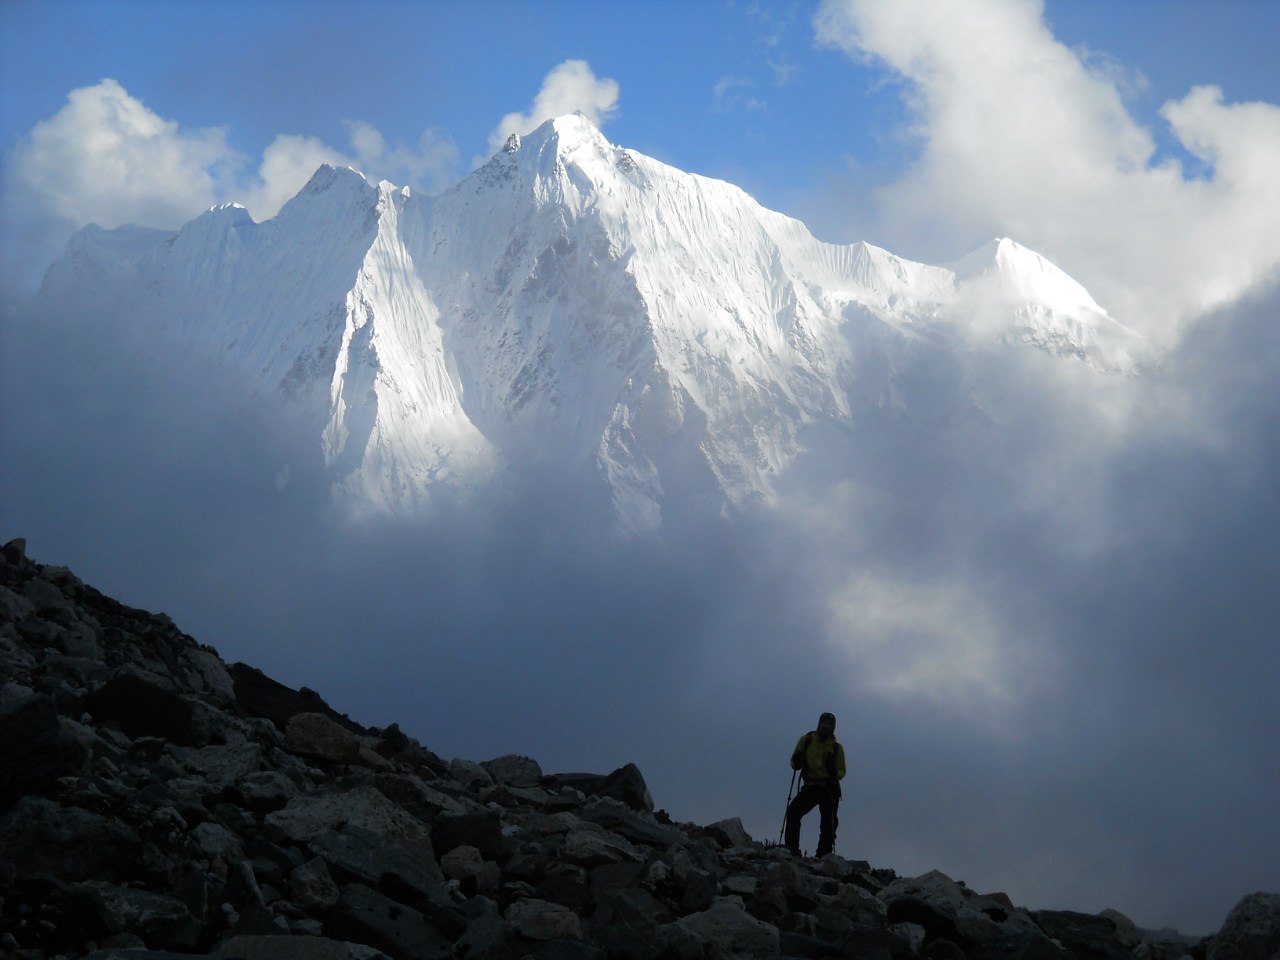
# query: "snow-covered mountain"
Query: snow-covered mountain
{"points": [[571, 305]]}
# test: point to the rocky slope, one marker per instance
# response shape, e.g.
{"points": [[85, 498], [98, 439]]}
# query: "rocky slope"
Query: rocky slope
{"points": [[158, 802]]}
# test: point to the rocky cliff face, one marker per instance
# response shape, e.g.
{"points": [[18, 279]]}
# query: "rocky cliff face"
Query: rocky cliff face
{"points": [[156, 802]]}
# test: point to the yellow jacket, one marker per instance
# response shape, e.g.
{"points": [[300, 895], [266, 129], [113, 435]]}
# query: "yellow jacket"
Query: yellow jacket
{"points": [[818, 759]]}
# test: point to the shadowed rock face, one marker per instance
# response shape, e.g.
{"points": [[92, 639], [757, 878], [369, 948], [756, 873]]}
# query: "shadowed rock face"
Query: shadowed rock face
{"points": [[155, 802]]}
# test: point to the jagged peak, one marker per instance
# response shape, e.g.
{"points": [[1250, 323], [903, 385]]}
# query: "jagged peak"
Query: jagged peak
{"points": [[558, 139], [567, 131], [328, 175], [1022, 270], [231, 213], [338, 186]]}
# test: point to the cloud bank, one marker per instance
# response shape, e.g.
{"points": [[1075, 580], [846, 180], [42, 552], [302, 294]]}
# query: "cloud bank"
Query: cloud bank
{"points": [[106, 158], [1015, 134], [1049, 639]]}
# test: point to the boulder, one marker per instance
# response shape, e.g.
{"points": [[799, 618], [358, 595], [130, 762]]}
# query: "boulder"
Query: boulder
{"points": [[309, 815], [380, 861], [542, 920], [142, 708], [470, 774], [311, 886], [593, 848], [626, 784], [46, 839], [1251, 931], [729, 833], [317, 737], [366, 916], [257, 695], [618, 818], [726, 926], [474, 873], [162, 921], [1085, 935], [36, 747], [480, 830], [514, 770], [951, 911]]}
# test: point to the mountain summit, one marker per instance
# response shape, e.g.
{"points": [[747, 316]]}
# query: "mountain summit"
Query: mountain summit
{"points": [[569, 306]]}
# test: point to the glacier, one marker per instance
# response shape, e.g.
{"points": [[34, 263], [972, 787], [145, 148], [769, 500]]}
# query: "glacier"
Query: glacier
{"points": [[570, 306]]}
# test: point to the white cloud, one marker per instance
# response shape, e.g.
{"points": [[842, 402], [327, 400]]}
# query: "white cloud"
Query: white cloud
{"points": [[731, 93], [107, 158], [430, 166], [1019, 135], [912, 640], [568, 88]]}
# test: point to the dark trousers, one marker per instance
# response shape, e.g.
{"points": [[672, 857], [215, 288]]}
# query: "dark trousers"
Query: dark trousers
{"points": [[826, 797]]}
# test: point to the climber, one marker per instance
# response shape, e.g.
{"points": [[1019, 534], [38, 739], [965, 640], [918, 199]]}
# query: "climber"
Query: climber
{"points": [[819, 758]]}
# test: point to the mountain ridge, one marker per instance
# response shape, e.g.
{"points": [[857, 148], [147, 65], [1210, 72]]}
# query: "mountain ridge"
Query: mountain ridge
{"points": [[570, 304]]}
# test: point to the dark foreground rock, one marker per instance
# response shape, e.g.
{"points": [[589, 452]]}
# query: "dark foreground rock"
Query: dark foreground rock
{"points": [[157, 803]]}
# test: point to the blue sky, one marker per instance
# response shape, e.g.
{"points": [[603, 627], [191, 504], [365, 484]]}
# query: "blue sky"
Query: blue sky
{"points": [[1134, 143], [811, 121]]}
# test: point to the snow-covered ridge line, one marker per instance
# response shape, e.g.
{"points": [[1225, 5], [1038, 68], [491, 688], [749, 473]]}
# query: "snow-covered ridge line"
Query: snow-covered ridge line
{"points": [[571, 304]]}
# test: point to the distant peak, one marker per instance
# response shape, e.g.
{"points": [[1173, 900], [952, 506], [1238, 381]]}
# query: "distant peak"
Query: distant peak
{"points": [[327, 175], [566, 132]]}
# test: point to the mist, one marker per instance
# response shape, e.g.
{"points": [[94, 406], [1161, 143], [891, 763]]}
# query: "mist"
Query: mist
{"points": [[1039, 600]]}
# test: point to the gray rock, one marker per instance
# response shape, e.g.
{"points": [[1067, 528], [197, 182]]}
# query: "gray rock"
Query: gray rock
{"points": [[726, 925], [213, 841], [311, 886], [514, 770], [207, 675], [471, 870], [142, 708], [480, 830], [729, 833], [954, 912], [542, 920], [159, 920], [366, 916], [267, 790], [626, 784], [45, 839], [318, 737], [309, 815], [36, 747], [380, 861], [593, 848], [1084, 935], [470, 774], [617, 818], [257, 695], [1251, 931], [223, 766]]}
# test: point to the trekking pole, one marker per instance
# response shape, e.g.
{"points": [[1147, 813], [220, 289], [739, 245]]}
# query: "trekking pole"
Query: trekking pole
{"points": [[790, 791]]}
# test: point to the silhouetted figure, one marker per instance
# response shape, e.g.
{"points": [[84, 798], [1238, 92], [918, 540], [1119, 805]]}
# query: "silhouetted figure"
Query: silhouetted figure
{"points": [[820, 759]]}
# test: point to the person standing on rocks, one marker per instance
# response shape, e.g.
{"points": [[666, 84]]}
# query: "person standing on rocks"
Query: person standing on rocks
{"points": [[820, 759]]}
